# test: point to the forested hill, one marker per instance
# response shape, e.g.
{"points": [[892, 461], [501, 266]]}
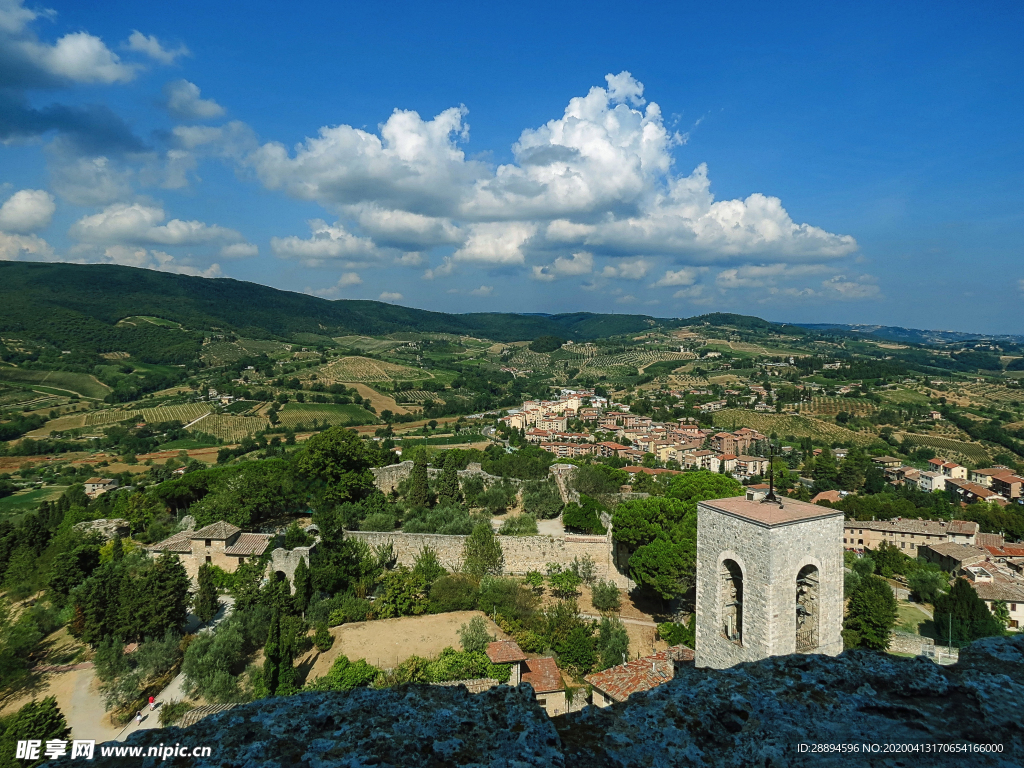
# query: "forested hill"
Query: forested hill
{"points": [[60, 302]]}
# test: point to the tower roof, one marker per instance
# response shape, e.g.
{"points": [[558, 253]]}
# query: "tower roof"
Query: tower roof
{"points": [[769, 514]]}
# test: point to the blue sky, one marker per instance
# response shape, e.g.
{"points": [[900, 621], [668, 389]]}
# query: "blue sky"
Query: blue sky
{"points": [[806, 163]]}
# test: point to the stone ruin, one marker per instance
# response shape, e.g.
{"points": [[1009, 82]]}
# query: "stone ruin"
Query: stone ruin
{"points": [[105, 528]]}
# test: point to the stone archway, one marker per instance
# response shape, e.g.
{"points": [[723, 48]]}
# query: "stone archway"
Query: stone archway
{"points": [[808, 608], [730, 601]]}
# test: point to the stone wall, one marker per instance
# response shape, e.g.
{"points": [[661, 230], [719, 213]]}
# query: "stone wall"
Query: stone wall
{"points": [[904, 642], [287, 560], [522, 553], [387, 478]]}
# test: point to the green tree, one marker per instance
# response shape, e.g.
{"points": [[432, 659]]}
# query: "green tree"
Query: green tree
{"points": [[448, 483], [962, 617], [303, 587], [612, 643], [564, 583], [164, 593], [427, 566], [663, 568], [402, 593], [37, 721], [606, 596], [294, 537], [482, 554], [246, 587], [576, 651], [927, 584], [871, 614], [474, 635], [703, 486], [322, 638], [1001, 612], [206, 602], [337, 465], [418, 494]]}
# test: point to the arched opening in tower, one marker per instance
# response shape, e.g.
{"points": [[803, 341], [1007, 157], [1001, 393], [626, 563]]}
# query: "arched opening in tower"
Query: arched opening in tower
{"points": [[731, 600], [807, 610]]}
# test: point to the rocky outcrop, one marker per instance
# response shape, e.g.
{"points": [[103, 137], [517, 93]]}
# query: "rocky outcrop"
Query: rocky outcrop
{"points": [[105, 528], [755, 714]]}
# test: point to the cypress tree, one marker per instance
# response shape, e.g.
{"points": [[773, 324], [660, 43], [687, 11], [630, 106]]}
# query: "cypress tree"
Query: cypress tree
{"points": [[303, 587], [117, 549], [272, 654], [871, 614], [448, 483], [206, 602], [962, 617], [419, 491]]}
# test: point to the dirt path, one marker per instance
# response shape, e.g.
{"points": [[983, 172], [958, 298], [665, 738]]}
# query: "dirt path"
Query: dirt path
{"points": [[386, 643]]}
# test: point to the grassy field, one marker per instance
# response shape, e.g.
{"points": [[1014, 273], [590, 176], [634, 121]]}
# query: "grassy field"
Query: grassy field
{"points": [[82, 383], [27, 501], [294, 414], [912, 619], [903, 396], [797, 426], [949, 448]]}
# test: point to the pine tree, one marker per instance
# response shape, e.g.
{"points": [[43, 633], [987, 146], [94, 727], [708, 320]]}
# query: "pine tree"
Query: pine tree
{"points": [[206, 602], [871, 613], [37, 720], [448, 483], [419, 491], [482, 554], [303, 587]]}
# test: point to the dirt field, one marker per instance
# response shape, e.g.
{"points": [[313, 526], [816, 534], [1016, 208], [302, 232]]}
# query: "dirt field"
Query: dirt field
{"points": [[380, 401], [386, 643]]}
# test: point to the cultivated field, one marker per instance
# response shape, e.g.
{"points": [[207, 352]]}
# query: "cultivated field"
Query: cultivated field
{"points": [[82, 383], [950, 449], [221, 352], [363, 369], [797, 426], [185, 413], [231, 429], [830, 406], [315, 414]]}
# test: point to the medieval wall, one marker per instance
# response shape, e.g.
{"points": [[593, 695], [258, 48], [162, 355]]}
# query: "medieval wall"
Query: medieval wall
{"points": [[522, 553], [387, 478]]}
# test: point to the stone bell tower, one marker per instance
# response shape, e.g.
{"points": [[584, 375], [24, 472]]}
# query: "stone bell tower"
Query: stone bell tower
{"points": [[769, 580]]}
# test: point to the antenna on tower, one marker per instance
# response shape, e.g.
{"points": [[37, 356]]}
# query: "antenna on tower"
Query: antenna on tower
{"points": [[770, 498]]}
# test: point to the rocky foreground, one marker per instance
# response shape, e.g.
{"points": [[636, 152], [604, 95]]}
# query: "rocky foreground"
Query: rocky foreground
{"points": [[756, 714]]}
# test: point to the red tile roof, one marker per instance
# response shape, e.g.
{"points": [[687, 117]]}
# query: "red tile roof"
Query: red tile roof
{"points": [[827, 496], [179, 542], [1007, 550], [505, 652], [249, 544], [623, 681], [543, 675]]}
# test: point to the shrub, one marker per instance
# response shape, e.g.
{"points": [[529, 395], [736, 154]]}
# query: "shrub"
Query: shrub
{"points": [[474, 635], [322, 638], [542, 500], [674, 633], [344, 675], [519, 525], [348, 608], [506, 597], [585, 568], [482, 553], [172, 712], [454, 592], [605, 596], [379, 521], [296, 537], [427, 566]]}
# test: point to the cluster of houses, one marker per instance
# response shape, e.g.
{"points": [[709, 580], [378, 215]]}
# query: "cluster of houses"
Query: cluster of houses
{"points": [[684, 443], [994, 568], [999, 484]]}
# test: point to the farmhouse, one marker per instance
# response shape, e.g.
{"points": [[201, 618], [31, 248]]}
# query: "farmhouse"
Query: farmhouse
{"points": [[220, 544], [542, 674], [95, 486]]}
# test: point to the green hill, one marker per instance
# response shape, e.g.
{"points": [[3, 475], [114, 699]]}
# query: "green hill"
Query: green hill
{"points": [[104, 308]]}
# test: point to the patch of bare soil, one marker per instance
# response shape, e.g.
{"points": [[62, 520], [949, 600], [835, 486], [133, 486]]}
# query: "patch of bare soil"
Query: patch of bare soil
{"points": [[386, 643]]}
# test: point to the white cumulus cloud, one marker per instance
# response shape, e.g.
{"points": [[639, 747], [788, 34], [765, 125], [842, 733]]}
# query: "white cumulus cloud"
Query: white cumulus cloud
{"points": [[26, 211], [138, 224], [483, 290], [627, 270], [152, 47], [580, 263], [328, 241], [78, 56], [389, 296], [32, 247], [685, 276], [496, 243], [183, 100], [239, 250]]}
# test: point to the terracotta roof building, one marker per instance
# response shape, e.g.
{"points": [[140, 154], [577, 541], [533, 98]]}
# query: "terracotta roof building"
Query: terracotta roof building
{"points": [[542, 674], [618, 683], [221, 544]]}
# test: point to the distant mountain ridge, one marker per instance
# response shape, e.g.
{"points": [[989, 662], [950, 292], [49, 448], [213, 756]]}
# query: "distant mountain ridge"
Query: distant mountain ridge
{"points": [[912, 335]]}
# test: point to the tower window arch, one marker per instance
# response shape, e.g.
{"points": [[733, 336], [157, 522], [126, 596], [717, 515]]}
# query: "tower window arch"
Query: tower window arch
{"points": [[808, 608], [730, 600]]}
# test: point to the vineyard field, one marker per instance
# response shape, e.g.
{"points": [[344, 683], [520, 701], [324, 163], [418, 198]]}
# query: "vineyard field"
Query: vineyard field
{"points": [[184, 413], [363, 369], [797, 426], [830, 406], [231, 429], [949, 448], [294, 414]]}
